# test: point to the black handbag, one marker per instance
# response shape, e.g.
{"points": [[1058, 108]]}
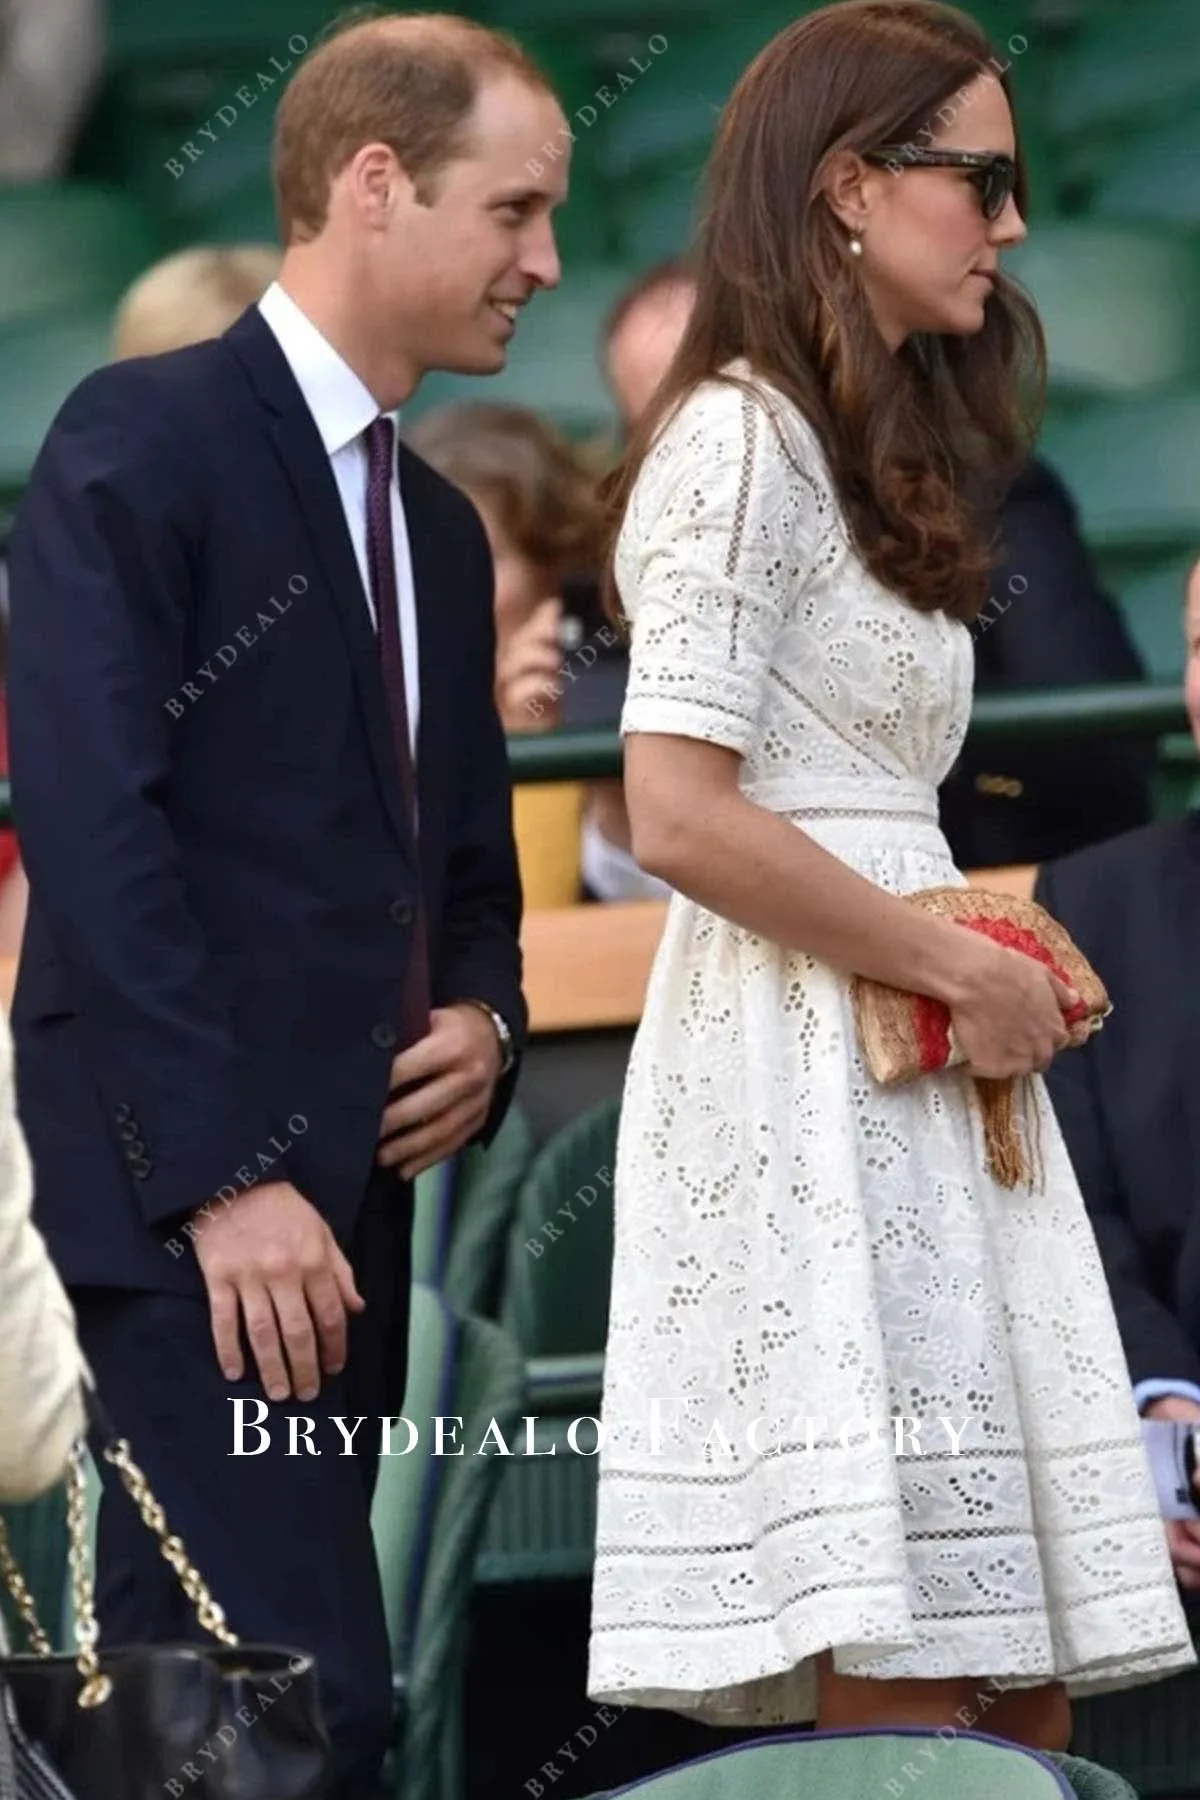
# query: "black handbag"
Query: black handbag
{"points": [[150, 1721]]}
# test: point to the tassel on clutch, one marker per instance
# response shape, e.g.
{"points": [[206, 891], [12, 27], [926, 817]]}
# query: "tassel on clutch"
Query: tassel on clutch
{"points": [[906, 1035]]}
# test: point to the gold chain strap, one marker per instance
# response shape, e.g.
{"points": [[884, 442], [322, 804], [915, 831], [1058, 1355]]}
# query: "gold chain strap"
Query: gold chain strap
{"points": [[210, 1615], [23, 1600], [96, 1685]]}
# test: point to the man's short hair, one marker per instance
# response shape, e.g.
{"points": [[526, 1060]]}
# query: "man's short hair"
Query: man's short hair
{"points": [[408, 80]]}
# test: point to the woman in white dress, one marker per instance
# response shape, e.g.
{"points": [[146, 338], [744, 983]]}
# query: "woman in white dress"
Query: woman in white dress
{"points": [[802, 551]]}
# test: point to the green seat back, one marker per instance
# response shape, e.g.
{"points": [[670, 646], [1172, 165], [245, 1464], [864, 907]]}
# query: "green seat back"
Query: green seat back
{"points": [[846, 1765], [462, 1213], [1131, 465], [1126, 67], [489, 1385], [170, 30], [37, 1536], [1152, 606], [488, 1183], [1117, 303], [407, 1491], [1157, 178], [65, 246], [40, 362], [560, 1267]]}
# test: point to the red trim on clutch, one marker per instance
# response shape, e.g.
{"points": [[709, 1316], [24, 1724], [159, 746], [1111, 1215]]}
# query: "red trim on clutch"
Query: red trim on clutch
{"points": [[931, 1020]]}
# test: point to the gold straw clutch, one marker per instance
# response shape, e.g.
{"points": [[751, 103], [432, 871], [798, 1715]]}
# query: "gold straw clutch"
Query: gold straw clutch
{"points": [[907, 1035]]}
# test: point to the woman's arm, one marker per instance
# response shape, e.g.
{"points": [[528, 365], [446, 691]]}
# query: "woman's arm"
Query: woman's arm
{"points": [[41, 1406], [694, 828]]}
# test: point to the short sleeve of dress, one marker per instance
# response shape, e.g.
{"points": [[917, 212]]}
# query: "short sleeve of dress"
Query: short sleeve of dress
{"points": [[720, 534]]}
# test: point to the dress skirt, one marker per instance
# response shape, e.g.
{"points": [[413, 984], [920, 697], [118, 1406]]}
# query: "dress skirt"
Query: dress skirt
{"points": [[857, 1396]]}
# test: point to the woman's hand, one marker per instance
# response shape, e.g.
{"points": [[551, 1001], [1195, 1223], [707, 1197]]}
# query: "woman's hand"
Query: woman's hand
{"points": [[1006, 1009], [529, 672]]}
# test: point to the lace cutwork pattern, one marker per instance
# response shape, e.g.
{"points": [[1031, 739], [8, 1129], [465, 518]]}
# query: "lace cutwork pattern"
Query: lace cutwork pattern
{"points": [[795, 1244]]}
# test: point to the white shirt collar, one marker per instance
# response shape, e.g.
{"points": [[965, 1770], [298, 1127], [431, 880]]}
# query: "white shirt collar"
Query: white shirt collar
{"points": [[338, 401]]}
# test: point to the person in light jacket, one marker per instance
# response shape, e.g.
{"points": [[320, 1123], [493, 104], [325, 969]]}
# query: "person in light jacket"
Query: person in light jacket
{"points": [[41, 1405]]}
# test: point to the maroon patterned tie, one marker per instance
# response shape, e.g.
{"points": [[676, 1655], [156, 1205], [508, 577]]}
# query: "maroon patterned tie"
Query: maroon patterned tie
{"points": [[381, 560]]}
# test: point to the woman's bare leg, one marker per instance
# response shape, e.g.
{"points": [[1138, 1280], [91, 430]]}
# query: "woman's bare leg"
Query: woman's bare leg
{"points": [[1039, 1718]]}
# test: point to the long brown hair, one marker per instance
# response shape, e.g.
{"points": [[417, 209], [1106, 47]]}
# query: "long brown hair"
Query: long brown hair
{"points": [[920, 443]]}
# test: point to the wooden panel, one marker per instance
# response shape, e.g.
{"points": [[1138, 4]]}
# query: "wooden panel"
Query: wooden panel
{"points": [[587, 966]]}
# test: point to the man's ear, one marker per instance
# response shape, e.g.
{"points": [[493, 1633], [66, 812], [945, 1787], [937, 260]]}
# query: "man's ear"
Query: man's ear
{"points": [[376, 181]]}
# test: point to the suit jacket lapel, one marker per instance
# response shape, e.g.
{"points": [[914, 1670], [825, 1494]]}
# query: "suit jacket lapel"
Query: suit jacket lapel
{"points": [[299, 448]]}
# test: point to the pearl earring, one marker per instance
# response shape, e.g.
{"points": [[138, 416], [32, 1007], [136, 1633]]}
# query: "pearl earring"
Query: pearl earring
{"points": [[855, 244]]}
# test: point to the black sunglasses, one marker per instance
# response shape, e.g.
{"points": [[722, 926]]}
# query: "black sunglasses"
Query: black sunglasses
{"points": [[992, 173]]}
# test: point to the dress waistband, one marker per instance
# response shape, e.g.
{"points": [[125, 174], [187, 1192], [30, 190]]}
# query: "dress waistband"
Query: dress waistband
{"points": [[802, 795]]}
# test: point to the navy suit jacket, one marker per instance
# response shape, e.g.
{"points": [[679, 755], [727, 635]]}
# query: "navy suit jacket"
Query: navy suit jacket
{"points": [[1048, 623], [208, 806], [1129, 1100]]}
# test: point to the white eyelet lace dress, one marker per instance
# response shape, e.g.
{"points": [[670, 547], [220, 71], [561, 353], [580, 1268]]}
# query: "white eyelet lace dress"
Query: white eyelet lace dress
{"points": [[795, 1244]]}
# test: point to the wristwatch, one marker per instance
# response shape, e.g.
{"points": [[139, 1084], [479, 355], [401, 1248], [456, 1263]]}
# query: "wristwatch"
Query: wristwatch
{"points": [[508, 1054]]}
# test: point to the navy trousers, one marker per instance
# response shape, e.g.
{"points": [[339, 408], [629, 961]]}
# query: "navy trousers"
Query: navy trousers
{"points": [[282, 1540]]}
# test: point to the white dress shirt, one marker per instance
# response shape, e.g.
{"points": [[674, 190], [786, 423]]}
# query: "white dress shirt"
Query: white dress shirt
{"points": [[342, 409]]}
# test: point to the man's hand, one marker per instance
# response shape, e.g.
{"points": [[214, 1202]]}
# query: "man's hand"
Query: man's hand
{"points": [[271, 1260], [1183, 1535], [457, 1067]]}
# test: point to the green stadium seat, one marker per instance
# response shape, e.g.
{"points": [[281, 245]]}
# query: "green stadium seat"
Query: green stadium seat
{"points": [[1132, 467], [463, 1212], [37, 1537], [658, 215], [1156, 178], [1119, 305], [1128, 65], [40, 362], [245, 215], [555, 1304], [850, 1765], [171, 30], [669, 116], [1152, 605], [67, 245], [427, 1518]]}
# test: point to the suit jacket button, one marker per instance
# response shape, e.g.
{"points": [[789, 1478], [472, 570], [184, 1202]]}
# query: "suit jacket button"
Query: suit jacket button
{"points": [[142, 1168], [400, 912], [129, 1132], [124, 1111], [384, 1036]]}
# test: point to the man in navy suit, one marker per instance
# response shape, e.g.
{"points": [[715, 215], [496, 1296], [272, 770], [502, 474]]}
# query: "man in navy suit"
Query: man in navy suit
{"points": [[1128, 1102], [271, 969]]}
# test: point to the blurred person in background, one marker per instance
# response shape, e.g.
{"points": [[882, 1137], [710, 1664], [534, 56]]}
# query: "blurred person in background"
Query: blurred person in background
{"points": [[536, 495], [189, 296], [51, 54], [1129, 1101], [1048, 623], [272, 967], [192, 295], [41, 1404]]}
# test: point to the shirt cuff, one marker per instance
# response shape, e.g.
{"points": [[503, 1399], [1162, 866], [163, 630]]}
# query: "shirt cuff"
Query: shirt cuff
{"points": [[1146, 1391], [611, 873]]}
